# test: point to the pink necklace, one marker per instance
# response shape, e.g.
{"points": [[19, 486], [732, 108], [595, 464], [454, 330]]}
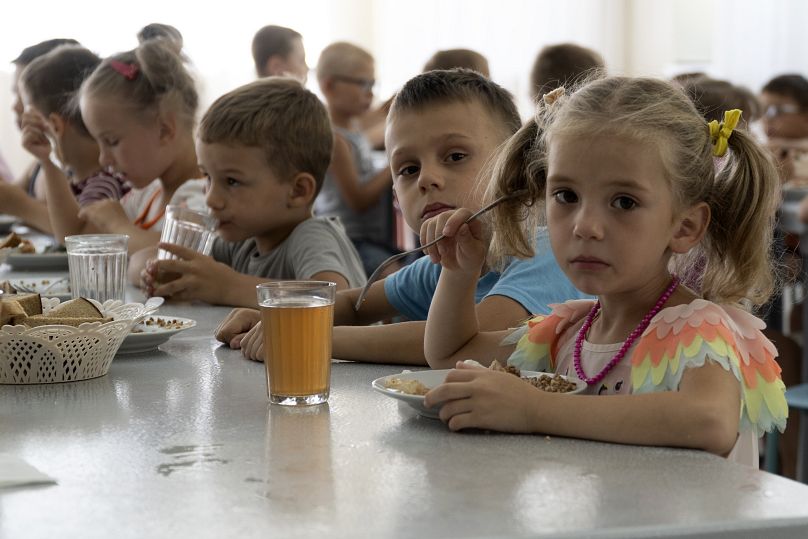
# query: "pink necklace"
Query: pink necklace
{"points": [[579, 340]]}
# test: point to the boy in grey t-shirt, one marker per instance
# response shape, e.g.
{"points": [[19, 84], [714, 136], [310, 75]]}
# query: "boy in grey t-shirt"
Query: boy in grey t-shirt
{"points": [[264, 148]]}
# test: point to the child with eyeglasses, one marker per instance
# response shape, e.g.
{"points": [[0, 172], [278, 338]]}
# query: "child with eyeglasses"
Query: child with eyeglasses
{"points": [[356, 191]]}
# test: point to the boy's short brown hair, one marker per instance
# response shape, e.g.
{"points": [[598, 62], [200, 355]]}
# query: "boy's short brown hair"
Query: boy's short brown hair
{"points": [[791, 85], [459, 85], [341, 58], [452, 58], [279, 116], [270, 41], [563, 64]]}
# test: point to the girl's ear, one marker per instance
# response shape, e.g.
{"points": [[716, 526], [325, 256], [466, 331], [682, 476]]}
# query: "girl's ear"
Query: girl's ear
{"points": [[168, 126], [302, 190], [690, 228], [58, 124]]}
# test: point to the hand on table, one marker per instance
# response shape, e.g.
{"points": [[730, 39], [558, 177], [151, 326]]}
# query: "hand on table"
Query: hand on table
{"points": [[235, 326], [476, 397]]}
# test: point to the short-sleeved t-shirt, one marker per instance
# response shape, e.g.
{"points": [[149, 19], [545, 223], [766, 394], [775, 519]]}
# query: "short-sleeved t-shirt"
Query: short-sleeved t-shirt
{"points": [[316, 245], [145, 207], [533, 283]]}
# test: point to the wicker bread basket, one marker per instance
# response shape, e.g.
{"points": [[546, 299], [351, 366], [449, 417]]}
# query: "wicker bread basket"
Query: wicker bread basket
{"points": [[56, 353]]}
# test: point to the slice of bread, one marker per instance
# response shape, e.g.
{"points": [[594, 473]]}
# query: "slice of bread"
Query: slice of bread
{"points": [[12, 240], [11, 312], [75, 308], [31, 303]]}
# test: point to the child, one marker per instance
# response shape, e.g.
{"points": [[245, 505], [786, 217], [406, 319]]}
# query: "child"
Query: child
{"points": [[353, 190], [452, 58], [443, 128], [630, 190], [26, 196], [565, 63], [48, 86], [140, 106], [278, 51], [265, 148]]}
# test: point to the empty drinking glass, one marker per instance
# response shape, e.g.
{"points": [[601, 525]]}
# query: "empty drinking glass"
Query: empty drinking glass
{"points": [[97, 265]]}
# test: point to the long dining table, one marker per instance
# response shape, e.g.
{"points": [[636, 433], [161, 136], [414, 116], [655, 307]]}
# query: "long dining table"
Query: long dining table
{"points": [[181, 442]]}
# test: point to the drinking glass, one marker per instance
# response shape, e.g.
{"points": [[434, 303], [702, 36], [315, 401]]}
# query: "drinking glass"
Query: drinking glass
{"points": [[97, 265], [187, 228], [297, 317]]}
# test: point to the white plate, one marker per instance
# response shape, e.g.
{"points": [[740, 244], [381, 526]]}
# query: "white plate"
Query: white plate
{"points": [[433, 378], [48, 288], [150, 337], [37, 261]]}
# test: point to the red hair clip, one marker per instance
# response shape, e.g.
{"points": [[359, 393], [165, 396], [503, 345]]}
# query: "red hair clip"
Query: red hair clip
{"points": [[129, 71]]}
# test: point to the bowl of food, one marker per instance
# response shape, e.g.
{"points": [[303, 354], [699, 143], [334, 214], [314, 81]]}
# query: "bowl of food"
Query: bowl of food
{"points": [[410, 387], [43, 340]]}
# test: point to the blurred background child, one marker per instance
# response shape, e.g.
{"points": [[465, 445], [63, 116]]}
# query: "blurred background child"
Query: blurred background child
{"points": [[278, 51], [140, 106], [49, 86], [355, 190], [24, 195], [560, 65]]}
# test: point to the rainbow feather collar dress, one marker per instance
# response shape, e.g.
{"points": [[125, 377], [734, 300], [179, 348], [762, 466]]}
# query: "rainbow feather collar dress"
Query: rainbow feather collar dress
{"points": [[677, 338]]}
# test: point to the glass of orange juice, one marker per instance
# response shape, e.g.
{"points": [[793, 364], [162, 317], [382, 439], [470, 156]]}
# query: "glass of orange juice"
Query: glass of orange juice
{"points": [[297, 318]]}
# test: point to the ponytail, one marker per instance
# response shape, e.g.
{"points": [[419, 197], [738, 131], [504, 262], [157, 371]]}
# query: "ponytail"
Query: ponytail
{"points": [[743, 202], [150, 77], [519, 166]]}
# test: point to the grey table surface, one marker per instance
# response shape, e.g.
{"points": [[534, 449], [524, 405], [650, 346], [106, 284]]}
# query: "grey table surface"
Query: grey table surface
{"points": [[181, 442]]}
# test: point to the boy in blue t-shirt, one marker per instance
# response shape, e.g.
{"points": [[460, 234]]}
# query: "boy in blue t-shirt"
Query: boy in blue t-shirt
{"points": [[442, 130]]}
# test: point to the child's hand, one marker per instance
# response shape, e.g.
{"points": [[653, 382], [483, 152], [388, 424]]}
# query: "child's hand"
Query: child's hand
{"points": [[200, 276], [233, 329], [252, 345], [465, 245], [106, 215], [35, 132], [474, 397]]}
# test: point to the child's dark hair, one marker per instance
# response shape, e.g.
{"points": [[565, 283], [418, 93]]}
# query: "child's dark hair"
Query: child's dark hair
{"points": [[29, 54], [743, 194], [454, 58], [151, 78], [712, 97], [791, 85], [565, 64], [281, 118], [270, 41], [457, 86], [52, 82]]}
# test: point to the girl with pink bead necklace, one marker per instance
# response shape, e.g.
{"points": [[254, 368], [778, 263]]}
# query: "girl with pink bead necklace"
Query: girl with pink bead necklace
{"points": [[638, 194]]}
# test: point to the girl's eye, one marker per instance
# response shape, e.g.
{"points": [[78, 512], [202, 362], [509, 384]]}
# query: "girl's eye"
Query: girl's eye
{"points": [[624, 203], [111, 142], [457, 156], [232, 182], [407, 171], [565, 196]]}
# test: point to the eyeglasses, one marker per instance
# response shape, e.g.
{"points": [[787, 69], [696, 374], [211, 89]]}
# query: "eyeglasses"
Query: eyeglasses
{"points": [[365, 84], [772, 111]]}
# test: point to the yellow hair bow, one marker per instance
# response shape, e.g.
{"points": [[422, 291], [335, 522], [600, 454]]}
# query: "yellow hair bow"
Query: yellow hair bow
{"points": [[719, 133]]}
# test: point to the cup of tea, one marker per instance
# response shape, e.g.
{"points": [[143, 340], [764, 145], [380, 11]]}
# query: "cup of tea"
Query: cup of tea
{"points": [[97, 265], [297, 317]]}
